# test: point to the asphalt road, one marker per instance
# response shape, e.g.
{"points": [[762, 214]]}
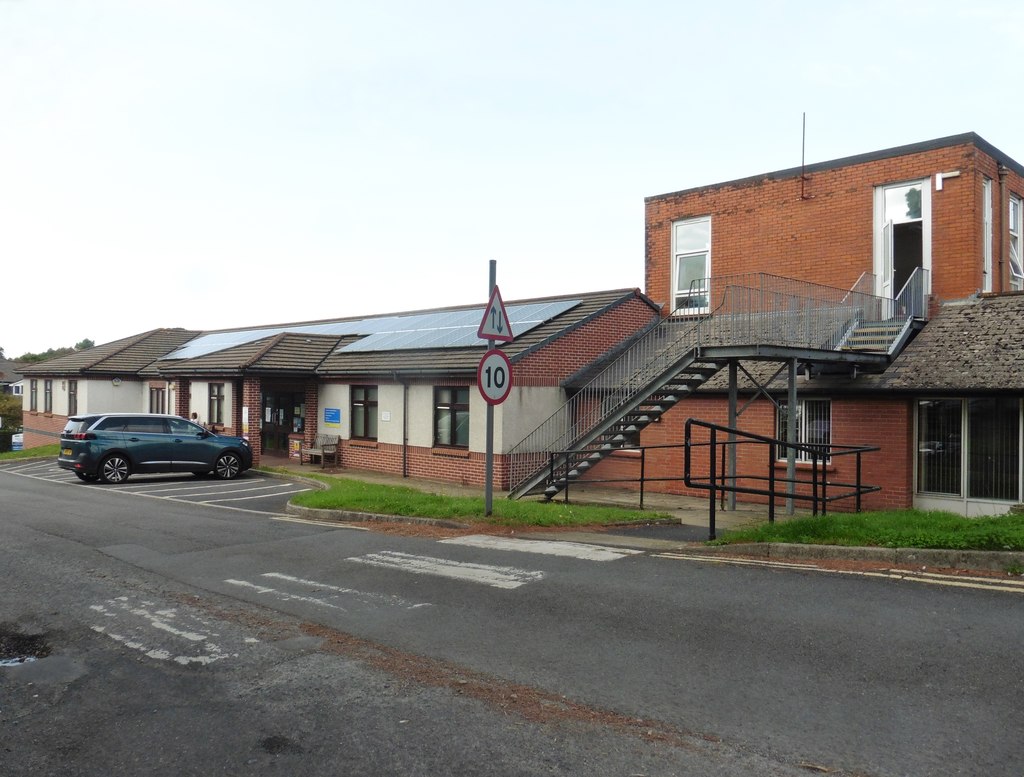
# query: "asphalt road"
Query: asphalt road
{"points": [[175, 638]]}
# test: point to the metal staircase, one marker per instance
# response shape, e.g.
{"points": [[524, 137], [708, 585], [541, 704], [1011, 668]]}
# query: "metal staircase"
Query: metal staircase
{"points": [[752, 316]]}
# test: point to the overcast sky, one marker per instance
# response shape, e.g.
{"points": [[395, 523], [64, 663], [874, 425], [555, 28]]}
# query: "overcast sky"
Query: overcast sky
{"points": [[217, 164]]}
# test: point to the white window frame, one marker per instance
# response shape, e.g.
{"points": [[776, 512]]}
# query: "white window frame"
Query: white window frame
{"points": [[1016, 257], [882, 264], [679, 253], [986, 235]]}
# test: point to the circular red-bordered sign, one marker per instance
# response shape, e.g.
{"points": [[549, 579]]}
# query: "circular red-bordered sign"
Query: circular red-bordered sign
{"points": [[494, 376]]}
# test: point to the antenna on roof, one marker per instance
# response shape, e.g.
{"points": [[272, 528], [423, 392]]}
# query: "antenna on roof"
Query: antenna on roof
{"points": [[803, 154]]}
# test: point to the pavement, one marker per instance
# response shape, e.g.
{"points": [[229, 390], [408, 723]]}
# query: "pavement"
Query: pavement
{"points": [[685, 530]]}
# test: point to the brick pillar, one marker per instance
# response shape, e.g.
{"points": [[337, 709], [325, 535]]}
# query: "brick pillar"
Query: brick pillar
{"points": [[236, 407], [183, 398], [253, 400], [311, 425]]}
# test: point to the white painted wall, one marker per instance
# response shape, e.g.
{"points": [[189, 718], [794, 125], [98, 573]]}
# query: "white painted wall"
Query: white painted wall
{"points": [[334, 395], [524, 410], [520, 414], [105, 396], [390, 406]]}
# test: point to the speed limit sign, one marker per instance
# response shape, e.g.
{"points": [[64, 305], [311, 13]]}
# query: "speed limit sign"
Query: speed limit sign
{"points": [[494, 376]]}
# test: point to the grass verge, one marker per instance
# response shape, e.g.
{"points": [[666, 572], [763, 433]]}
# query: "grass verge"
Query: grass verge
{"points": [[32, 453], [359, 496], [893, 529]]}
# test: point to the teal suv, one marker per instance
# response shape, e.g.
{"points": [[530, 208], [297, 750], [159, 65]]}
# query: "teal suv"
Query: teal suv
{"points": [[112, 446]]}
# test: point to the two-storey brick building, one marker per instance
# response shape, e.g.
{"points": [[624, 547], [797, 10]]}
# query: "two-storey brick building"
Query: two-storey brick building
{"points": [[879, 294]]}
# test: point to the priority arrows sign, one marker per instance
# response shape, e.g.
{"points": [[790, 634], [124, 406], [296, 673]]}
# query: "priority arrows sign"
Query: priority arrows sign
{"points": [[495, 325]]}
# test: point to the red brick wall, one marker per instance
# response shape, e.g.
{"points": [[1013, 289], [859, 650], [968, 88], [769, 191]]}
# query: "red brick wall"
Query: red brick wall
{"points": [[41, 428], [464, 467], [764, 225], [880, 422], [252, 398], [553, 363]]}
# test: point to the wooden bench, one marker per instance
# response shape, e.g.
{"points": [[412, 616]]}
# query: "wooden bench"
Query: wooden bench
{"points": [[325, 446]]}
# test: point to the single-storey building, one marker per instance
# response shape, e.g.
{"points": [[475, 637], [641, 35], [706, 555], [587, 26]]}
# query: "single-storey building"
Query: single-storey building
{"points": [[398, 390]]}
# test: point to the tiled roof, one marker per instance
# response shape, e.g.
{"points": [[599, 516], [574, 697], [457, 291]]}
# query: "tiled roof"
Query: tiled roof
{"points": [[285, 353], [10, 372], [128, 356], [293, 353]]}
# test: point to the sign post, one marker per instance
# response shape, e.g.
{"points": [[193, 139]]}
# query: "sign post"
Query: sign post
{"points": [[494, 373]]}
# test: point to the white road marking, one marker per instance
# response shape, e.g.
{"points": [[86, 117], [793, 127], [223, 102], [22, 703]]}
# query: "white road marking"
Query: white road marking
{"points": [[578, 550], [373, 597], [931, 578], [130, 619], [282, 595], [497, 577]]}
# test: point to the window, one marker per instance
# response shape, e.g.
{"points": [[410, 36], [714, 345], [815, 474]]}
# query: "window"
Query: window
{"points": [[451, 417], [986, 235], [47, 396], [33, 395], [17, 389], [939, 431], [991, 460], [1016, 258], [813, 426], [691, 265], [993, 446], [216, 409], [364, 412], [144, 425], [72, 397], [157, 400]]}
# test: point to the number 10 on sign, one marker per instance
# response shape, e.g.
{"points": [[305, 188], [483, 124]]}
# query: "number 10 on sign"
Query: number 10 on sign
{"points": [[494, 376]]}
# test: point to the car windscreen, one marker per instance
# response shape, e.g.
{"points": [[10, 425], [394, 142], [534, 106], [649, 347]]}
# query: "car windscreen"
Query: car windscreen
{"points": [[74, 426]]}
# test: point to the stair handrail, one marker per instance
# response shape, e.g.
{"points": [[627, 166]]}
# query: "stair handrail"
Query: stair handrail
{"points": [[749, 309]]}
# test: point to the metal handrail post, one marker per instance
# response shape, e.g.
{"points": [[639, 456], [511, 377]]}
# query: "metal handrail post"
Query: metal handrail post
{"points": [[713, 478]]}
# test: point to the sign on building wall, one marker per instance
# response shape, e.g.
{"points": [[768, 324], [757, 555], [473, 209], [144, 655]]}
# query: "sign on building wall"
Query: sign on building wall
{"points": [[332, 416]]}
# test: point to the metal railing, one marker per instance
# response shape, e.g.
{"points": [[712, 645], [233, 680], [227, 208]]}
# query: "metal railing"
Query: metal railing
{"points": [[817, 488], [747, 309]]}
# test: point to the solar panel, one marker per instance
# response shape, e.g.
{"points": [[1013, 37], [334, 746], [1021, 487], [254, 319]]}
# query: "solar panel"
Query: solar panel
{"points": [[435, 329]]}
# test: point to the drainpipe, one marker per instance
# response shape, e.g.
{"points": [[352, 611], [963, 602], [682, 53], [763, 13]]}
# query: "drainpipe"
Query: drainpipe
{"points": [[1004, 245]]}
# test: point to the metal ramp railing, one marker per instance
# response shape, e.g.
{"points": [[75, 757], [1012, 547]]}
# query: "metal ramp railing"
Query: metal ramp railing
{"points": [[748, 310]]}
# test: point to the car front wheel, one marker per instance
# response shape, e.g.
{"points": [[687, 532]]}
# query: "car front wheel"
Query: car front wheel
{"points": [[115, 469], [228, 466]]}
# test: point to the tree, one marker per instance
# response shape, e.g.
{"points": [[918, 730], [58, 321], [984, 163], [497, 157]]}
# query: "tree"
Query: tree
{"points": [[10, 412], [50, 353]]}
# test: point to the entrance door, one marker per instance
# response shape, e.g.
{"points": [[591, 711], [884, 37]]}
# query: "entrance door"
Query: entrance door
{"points": [[284, 413], [902, 234]]}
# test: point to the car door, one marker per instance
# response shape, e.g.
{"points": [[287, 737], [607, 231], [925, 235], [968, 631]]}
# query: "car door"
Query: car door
{"points": [[146, 440], [192, 447]]}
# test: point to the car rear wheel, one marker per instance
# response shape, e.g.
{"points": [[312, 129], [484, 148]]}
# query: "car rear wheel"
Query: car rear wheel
{"points": [[86, 477], [228, 466], [114, 469]]}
